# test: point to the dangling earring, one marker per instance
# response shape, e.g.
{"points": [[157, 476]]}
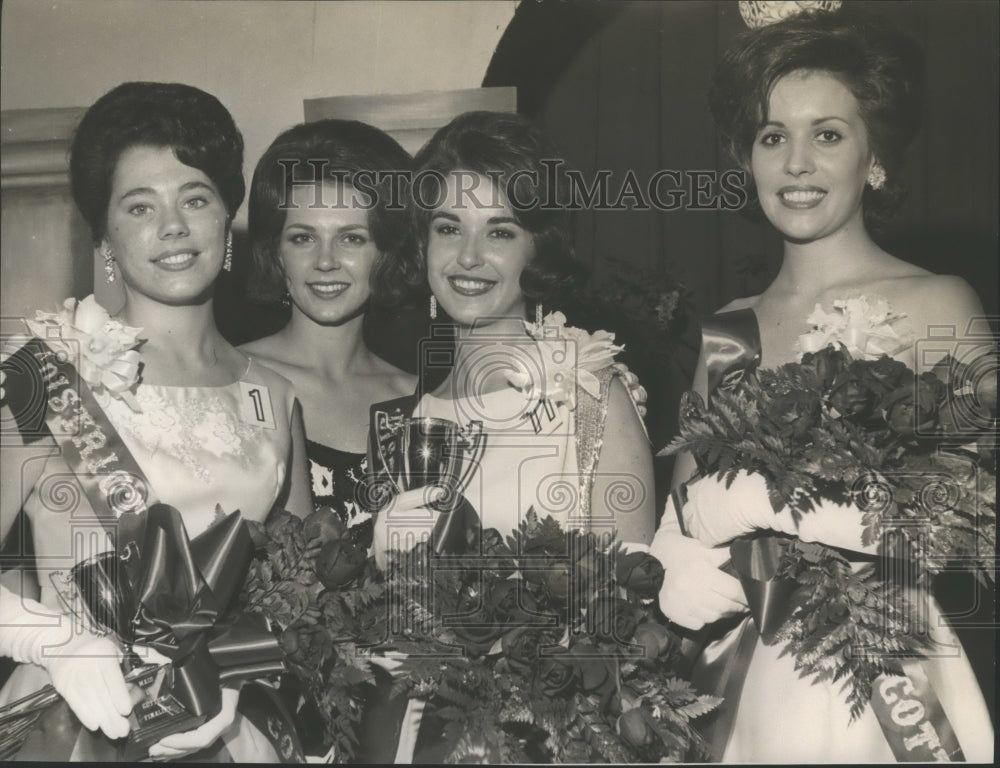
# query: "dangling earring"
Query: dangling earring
{"points": [[109, 265], [434, 307], [227, 260], [538, 313], [876, 177], [286, 300]]}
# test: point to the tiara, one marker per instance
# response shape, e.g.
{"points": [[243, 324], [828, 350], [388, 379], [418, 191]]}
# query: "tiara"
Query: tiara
{"points": [[760, 13]]}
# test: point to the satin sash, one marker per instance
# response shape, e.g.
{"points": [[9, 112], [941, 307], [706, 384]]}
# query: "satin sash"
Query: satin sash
{"points": [[186, 586]]}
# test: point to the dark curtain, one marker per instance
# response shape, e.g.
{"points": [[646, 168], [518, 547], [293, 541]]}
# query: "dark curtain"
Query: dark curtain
{"points": [[622, 86]]}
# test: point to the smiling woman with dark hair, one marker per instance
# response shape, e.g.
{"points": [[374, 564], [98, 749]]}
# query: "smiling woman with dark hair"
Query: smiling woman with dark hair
{"points": [[156, 405], [819, 109], [330, 235], [494, 236]]}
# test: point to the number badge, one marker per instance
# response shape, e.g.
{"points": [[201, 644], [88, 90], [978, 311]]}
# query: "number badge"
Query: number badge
{"points": [[255, 404]]}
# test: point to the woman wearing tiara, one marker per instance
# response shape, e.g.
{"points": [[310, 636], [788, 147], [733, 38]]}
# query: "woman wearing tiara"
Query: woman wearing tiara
{"points": [[818, 108], [156, 171]]}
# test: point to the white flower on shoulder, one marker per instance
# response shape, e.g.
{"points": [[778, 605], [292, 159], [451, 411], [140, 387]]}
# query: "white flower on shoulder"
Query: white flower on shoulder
{"points": [[568, 357], [865, 328], [102, 348]]}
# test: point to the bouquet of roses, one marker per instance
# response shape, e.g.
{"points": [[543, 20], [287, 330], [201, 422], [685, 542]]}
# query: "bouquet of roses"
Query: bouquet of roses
{"points": [[903, 448], [318, 587], [543, 648]]}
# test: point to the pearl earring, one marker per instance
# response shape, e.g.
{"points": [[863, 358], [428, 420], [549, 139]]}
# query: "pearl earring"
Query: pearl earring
{"points": [[434, 307], [538, 313], [227, 260]]}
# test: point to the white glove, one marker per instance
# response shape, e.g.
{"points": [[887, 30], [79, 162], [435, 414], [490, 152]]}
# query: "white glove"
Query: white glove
{"points": [[179, 744], [85, 668], [716, 515], [404, 522], [694, 592]]}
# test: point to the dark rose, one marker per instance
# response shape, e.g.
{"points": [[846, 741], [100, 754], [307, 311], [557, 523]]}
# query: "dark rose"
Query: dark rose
{"points": [[323, 525], [554, 581], [283, 526], [520, 648], [914, 406], [339, 562], [612, 619], [640, 572], [656, 639], [478, 635], [887, 374], [795, 413], [854, 394], [307, 645], [636, 731], [556, 675], [509, 601], [477, 630], [827, 364], [597, 674], [494, 545]]}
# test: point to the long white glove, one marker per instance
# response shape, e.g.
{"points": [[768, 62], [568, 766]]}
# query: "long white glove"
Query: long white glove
{"points": [[694, 592], [716, 515], [85, 668]]}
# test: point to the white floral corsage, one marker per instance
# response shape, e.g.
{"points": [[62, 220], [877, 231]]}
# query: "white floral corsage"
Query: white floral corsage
{"points": [[568, 357], [102, 348], [864, 328]]}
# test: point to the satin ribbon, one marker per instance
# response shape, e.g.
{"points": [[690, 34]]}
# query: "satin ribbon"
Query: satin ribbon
{"points": [[49, 398], [730, 347], [184, 595]]}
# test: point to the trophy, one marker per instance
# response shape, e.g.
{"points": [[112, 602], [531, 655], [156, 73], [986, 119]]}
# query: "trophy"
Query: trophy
{"points": [[101, 584], [421, 451]]}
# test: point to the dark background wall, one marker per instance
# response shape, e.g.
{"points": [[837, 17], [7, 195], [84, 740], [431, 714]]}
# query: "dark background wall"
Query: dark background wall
{"points": [[623, 86]]}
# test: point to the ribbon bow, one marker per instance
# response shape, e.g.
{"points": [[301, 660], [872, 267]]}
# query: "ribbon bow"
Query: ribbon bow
{"points": [[183, 607]]}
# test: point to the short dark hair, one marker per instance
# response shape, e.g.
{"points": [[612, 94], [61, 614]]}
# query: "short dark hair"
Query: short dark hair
{"points": [[509, 149], [192, 123], [340, 151], [882, 68]]}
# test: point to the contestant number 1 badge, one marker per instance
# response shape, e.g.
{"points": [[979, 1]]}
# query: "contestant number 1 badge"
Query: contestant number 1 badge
{"points": [[255, 403]]}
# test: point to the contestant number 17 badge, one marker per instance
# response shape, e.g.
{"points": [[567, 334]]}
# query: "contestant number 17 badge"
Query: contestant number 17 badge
{"points": [[255, 404]]}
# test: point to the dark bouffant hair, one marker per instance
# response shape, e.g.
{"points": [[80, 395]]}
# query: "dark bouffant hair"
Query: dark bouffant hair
{"points": [[508, 149], [882, 68], [344, 151], [192, 123]]}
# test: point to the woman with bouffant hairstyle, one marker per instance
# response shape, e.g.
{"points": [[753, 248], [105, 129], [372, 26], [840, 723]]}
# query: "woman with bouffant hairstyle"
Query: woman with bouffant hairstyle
{"points": [[819, 109], [159, 402], [330, 234]]}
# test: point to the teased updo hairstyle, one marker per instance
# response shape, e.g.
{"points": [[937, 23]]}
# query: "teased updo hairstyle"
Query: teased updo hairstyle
{"points": [[881, 67], [192, 123], [335, 151], [508, 149]]}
